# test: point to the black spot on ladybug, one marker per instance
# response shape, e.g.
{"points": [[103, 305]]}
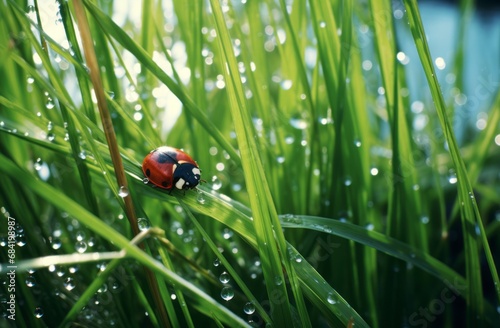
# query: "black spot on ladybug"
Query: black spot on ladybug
{"points": [[148, 172], [164, 184]]}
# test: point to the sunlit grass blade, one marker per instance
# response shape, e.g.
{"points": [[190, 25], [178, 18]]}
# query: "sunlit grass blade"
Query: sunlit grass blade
{"points": [[129, 44], [252, 299], [200, 300], [468, 210], [262, 207]]}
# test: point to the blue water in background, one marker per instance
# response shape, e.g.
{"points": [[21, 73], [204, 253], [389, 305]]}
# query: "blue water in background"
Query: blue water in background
{"points": [[481, 61]]}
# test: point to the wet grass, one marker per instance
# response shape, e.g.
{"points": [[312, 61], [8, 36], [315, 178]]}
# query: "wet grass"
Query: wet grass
{"points": [[327, 202]]}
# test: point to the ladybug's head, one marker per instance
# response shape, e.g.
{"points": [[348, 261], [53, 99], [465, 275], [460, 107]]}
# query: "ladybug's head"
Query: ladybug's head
{"points": [[186, 176]]}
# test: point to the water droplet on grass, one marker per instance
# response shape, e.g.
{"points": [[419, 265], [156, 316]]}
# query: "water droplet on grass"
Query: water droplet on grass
{"points": [[20, 240], [249, 308], [143, 224], [123, 192], [49, 104], [227, 233], [331, 298], [298, 123], [38, 312], [38, 164], [224, 277], [216, 183], [81, 247], [69, 284], [227, 293], [201, 200], [452, 177], [30, 281], [80, 236]]}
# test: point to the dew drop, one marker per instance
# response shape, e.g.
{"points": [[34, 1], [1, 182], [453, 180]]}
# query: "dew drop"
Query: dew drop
{"points": [[357, 143], [227, 233], [143, 224], [138, 116], [298, 123], [103, 289], [101, 266], [38, 312], [249, 308], [227, 293], [286, 84], [38, 164], [289, 140], [477, 230], [30, 281], [424, 219], [201, 200], [224, 277], [452, 177], [82, 154], [51, 136], [49, 104], [80, 236], [278, 281], [216, 262], [370, 226], [331, 298], [69, 284], [116, 285], [145, 180], [20, 240], [216, 183], [123, 192], [81, 247]]}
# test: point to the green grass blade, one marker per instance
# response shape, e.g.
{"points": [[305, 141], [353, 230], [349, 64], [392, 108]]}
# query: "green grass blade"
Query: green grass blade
{"points": [[469, 212], [262, 206]]}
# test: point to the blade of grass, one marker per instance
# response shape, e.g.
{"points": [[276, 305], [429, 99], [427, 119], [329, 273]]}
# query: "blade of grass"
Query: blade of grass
{"points": [[271, 248], [128, 43], [198, 298], [227, 265], [470, 216]]}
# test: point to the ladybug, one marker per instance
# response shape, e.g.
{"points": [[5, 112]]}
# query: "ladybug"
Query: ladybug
{"points": [[168, 167]]}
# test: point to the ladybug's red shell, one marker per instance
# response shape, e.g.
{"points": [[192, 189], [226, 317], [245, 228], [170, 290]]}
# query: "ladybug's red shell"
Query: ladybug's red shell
{"points": [[168, 167]]}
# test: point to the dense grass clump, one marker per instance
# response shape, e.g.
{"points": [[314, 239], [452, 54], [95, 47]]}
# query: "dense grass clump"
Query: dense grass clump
{"points": [[344, 182]]}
